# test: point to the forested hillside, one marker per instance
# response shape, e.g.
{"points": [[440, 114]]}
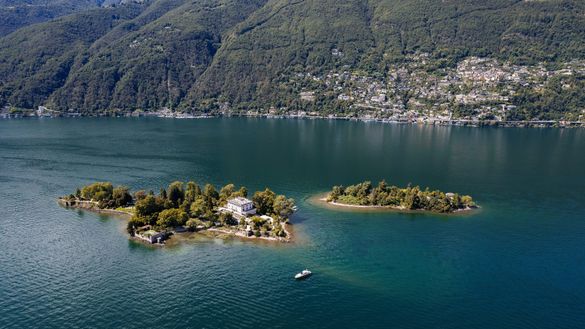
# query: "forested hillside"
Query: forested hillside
{"points": [[188, 55], [15, 14], [373, 34]]}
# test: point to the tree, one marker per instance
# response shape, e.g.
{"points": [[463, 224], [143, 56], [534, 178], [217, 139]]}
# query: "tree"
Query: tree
{"points": [[264, 201], [199, 207], [336, 193], [456, 201], [191, 224], [192, 192], [363, 191], [211, 196], [243, 192], [121, 196], [226, 192], [134, 223], [100, 191], [467, 201], [171, 218], [149, 206], [185, 206], [283, 207], [257, 222], [411, 199], [228, 219], [139, 195], [176, 193]]}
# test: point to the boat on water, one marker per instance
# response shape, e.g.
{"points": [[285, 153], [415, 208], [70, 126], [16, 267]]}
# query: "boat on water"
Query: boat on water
{"points": [[302, 275]]}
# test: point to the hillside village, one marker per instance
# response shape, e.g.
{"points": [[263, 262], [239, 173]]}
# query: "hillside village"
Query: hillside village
{"points": [[475, 89], [417, 90]]}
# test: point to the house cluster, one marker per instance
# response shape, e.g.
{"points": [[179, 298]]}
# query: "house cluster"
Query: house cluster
{"points": [[420, 89]]}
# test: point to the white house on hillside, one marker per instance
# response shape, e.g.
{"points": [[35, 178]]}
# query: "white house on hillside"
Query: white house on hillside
{"points": [[241, 206]]}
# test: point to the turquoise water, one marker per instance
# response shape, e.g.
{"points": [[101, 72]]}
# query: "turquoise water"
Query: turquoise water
{"points": [[517, 263]]}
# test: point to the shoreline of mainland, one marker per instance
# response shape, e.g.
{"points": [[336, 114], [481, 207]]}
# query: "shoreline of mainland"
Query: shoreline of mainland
{"points": [[291, 116]]}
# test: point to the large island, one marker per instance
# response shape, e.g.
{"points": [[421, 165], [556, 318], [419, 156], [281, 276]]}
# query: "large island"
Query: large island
{"points": [[365, 195], [187, 208]]}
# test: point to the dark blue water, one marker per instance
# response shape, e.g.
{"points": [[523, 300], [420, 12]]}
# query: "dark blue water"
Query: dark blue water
{"points": [[517, 263]]}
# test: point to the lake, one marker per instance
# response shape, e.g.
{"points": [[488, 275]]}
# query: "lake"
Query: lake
{"points": [[519, 262]]}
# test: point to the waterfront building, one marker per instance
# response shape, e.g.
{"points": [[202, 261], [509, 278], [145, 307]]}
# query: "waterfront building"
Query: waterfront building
{"points": [[241, 207]]}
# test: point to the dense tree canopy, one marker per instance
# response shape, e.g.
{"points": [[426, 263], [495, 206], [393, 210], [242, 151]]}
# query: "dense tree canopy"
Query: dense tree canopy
{"points": [[283, 207], [187, 205], [411, 198], [264, 201], [121, 196], [172, 218], [98, 191], [176, 193]]}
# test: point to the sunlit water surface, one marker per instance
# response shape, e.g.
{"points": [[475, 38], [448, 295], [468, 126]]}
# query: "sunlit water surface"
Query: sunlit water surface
{"points": [[519, 262]]}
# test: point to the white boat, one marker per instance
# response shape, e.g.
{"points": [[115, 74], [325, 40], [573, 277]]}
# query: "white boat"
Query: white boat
{"points": [[304, 274]]}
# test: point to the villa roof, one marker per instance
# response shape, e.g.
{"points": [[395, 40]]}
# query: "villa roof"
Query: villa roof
{"points": [[239, 201]]}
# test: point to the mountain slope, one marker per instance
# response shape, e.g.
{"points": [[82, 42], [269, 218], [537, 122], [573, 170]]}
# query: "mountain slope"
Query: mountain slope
{"points": [[153, 65], [37, 60], [185, 54], [15, 14], [370, 34]]}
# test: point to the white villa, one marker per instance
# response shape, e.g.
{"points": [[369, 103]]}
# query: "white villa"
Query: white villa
{"points": [[241, 207]]}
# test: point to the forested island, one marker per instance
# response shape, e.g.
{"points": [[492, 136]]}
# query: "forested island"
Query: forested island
{"points": [[188, 208], [409, 198]]}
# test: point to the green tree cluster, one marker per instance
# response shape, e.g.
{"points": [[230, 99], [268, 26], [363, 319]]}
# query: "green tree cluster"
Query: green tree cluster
{"points": [[412, 198], [106, 195], [268, 203], [186, 204]]}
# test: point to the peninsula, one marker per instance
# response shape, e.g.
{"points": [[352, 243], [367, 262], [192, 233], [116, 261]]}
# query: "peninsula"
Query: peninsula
{"points": [[189, 208], [364, 195]]}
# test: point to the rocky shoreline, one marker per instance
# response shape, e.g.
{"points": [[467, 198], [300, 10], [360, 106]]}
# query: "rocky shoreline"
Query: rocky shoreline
{"points": [[91, 206]]}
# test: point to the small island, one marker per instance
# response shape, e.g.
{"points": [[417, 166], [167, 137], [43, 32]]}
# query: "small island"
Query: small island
{"points": [[364, 195], [180, 208]]}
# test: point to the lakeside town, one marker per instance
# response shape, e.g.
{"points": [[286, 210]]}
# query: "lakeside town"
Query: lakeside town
{"points": [[184, 208], [474, 92]]}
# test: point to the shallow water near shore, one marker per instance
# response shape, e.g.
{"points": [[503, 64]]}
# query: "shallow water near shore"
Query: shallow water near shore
{"points": [[519, 262]]}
